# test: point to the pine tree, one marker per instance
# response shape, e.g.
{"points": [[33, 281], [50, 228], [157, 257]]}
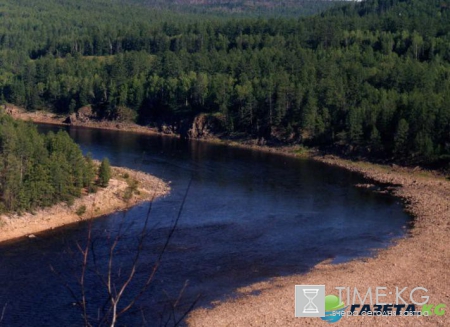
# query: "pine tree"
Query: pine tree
{"points": [[89, 172], [401, 137], [104, 173]]}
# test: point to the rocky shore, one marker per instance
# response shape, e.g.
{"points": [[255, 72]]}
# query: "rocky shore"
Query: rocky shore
{"points": [[79, 119], [105, 201]]}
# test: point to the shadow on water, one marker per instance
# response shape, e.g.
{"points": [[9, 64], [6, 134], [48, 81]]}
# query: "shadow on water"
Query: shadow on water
{"points": [[248, 216]]}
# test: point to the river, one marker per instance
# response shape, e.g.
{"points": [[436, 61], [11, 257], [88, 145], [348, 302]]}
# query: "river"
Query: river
{"points": [[248, 216]]}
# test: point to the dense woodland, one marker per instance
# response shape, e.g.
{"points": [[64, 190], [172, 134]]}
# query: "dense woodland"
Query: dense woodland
{"points": [[39, 170], [369, 77], [244, 7]]}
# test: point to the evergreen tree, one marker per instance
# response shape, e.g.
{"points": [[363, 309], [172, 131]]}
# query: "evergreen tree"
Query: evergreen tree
{"points": [[401, 138], [89, 173], [104, 173]]}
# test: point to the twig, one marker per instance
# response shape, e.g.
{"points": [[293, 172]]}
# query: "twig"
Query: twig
{"points": [[3, 312], [115, 294], [161, 254], [109, 312], [191, 307]]}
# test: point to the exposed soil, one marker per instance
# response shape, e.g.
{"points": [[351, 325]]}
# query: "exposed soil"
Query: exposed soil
{"points": [[104, 201], [423, 259]]}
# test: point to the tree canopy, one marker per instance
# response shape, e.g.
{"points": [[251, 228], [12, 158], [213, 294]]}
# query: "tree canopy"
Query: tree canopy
{"points": [[38, 170]]}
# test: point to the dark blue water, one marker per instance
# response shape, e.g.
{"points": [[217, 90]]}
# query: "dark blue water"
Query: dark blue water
{"points": [[248, 216]]}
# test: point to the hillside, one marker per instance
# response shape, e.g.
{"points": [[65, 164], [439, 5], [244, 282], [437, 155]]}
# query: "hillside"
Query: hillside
{"points": [[245, 7], [429, 18], [367, 79]]}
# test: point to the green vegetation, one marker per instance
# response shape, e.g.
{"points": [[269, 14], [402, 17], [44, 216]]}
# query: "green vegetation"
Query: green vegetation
{"points": [[104, 173], [81, 210], [90, 174], [131, 189], [244, 8], [367, 78], [38, 170]]}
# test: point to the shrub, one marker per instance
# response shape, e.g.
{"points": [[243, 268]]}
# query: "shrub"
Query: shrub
{"points": [[81, 210], [70, 201], [132, 188]]}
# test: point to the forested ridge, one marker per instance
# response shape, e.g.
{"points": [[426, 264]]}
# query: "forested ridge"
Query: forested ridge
{"points": [[244, 7], [370, 78]]}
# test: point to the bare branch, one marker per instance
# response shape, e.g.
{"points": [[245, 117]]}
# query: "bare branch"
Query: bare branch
{"points": [[161, 254], [191, 307], [83, 275], [3, 312], [109, 312], [175, 305]]}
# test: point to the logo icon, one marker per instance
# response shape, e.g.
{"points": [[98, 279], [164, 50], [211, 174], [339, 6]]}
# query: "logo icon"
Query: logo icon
{"points": [[310, 295], [334, 309], [309, 300]]}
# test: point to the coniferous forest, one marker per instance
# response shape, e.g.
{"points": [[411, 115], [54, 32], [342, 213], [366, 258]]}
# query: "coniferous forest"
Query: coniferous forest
{"points": [[369, 77], [39, 170]]}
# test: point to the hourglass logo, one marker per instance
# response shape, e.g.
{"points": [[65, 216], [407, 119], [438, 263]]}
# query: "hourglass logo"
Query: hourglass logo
{"points": [[309, 300]]}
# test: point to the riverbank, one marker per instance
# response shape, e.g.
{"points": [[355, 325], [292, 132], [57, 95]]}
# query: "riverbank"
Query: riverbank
{"points": [[419, 260], [422, 259], [118, 195], [44, 117]]}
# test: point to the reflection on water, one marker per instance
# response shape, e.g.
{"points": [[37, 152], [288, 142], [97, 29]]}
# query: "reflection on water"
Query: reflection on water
{"points": [[248, 216]]}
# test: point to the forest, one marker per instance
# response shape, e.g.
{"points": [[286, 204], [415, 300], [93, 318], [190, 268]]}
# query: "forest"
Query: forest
{"points": [[369, 78], [38, 170], [245, 7]]}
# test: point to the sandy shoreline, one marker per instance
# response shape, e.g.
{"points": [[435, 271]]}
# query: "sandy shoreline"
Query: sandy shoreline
{"points": [[104, 201], [423, 259]]}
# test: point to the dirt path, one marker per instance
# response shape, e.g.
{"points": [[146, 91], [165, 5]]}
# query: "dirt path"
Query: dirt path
{"points": [[104, 201], [423, 259]]}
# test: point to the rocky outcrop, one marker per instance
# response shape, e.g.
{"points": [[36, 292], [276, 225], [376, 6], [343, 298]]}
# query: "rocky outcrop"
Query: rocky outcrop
{"points": [[205, 127], [83, 115]]}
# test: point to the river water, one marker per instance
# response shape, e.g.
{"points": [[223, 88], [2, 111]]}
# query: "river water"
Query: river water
{"points": [[248, 216]]}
